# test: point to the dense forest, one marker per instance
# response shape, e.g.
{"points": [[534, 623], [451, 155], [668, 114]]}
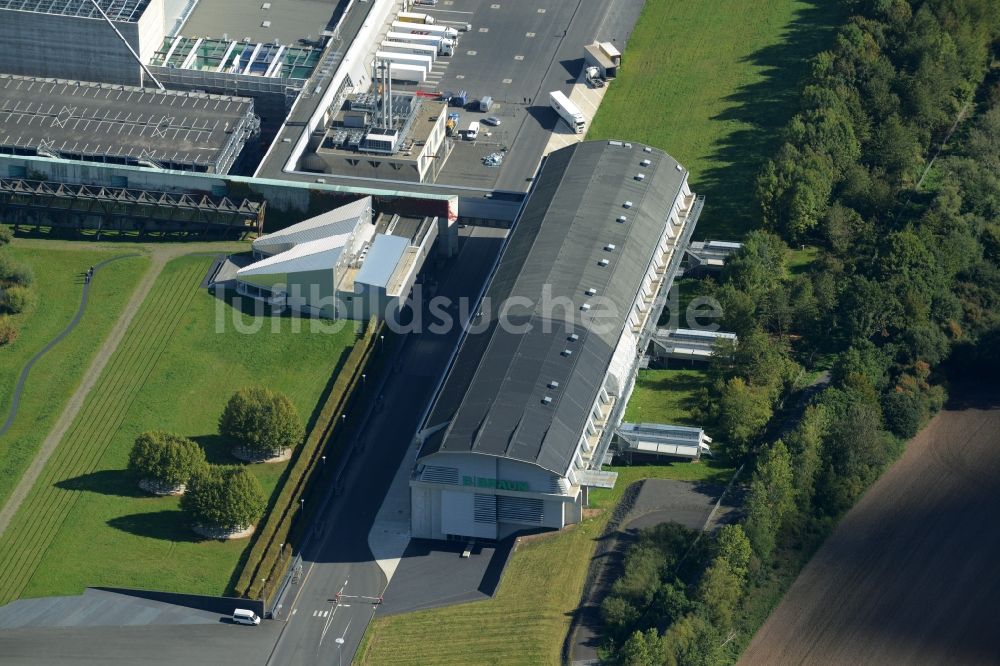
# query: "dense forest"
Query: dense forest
{"points": [[891, 171]]}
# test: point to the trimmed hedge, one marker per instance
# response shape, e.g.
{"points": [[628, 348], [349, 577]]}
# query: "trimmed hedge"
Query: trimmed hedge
{"points": [[282, 525]]}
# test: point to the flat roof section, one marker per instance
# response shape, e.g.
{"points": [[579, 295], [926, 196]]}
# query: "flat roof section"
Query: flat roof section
{"points": [[119, 123], [127, 11], [263, 20]]}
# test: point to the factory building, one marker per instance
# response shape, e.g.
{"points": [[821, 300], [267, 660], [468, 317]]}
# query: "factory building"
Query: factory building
{"points": [[344, 264], [521, 426], [69, 39], [116, 124]]}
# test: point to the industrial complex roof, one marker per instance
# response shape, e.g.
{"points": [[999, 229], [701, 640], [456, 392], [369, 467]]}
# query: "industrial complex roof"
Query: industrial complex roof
{"points": [[381, 261], [340, 220], [575, 234], [54, 117], [284, 20], [127, 11], [317, 255]]}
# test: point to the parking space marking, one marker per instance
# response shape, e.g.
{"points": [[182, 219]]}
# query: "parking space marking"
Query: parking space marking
{"points": [[448, 11]]}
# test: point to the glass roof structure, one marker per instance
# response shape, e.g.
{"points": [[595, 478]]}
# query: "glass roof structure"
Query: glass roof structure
{"points": [[235, 57], [127, 11]]}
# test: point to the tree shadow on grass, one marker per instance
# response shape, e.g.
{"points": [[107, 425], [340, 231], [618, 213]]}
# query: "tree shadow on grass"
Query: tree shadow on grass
{"points": [[218, 451], [167, 525], [764, 108], [117, 482]]}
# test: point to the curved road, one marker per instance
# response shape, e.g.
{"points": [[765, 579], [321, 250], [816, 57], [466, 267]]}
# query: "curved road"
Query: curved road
{"points": [[19, 387]]}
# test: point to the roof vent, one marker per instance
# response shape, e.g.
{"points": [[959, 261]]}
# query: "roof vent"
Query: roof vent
{"points": [[627, 204], [610, 247], [567, 352], [647, 149], [640, 176], [553, 384], [573, 337], [645, 163], [585, 307], [622, 219], [602, 262], [591, 291], [547, 400]]}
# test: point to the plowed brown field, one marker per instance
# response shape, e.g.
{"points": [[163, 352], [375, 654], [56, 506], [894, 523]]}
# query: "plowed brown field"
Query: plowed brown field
{"points": [[912, 573]]}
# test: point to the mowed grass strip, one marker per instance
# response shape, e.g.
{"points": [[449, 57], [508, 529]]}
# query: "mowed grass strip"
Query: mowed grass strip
{"points": [[712, 83], [527, 621], [114, 534], [666, 396], [58, 286], [46, 507]]}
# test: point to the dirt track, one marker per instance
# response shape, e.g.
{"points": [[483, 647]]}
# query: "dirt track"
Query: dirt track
{"points": [[912, 574]]}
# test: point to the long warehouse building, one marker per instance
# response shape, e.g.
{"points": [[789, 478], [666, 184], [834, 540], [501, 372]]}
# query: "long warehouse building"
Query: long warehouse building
{"points": [[521, 426]]}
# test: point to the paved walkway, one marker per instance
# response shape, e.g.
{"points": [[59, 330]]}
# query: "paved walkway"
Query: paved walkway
{"points": [[19, 387], [159, 254]]}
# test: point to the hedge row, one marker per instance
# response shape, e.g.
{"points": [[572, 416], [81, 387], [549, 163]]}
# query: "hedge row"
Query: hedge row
{"points": [[265, 566]]}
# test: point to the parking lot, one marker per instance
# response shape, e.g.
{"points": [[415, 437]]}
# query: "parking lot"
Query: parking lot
{"points": [[513, 53]]}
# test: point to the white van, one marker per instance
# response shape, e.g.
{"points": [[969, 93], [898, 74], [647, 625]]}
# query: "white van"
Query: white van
{"points": [[244, 616], [472, 133]]}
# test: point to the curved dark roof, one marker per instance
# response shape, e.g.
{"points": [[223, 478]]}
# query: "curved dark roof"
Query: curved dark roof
{"points": [[494, 396]]}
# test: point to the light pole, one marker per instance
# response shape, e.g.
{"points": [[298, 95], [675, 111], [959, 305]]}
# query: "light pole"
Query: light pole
{"points": [[340, 649]]}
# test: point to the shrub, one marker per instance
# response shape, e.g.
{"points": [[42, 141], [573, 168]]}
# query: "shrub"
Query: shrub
{"points": [[5, 235], [228, 498], [261, 421], [166, 458], [14, 272], [17, 299], [8, 331]]}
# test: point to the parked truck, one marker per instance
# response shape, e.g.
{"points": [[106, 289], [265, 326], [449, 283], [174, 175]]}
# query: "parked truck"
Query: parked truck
{"points": [[412, 49], [593, 75], [405, 59], [415, 17], [568, 111], [417, 29], [444, 46]]}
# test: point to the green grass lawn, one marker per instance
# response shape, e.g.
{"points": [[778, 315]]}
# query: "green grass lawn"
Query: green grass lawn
{"points": [[58, 286], [85, 522], [665, 396], [801, 259], [712, 83], [527, 621]]}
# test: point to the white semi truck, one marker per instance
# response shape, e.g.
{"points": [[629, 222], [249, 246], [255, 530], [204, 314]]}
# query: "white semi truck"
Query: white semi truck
{"points": [[568, 111], [415, 17], [444, 46], [412, 49], [417, 29], [405, 59]]}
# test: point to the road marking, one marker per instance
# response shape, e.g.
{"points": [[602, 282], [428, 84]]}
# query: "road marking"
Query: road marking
{"points": [[484, 30], [460, 76], [529, 34], [508, 81], [315, 613], [519, 57], [471, 53], [541, 10], [294, 611], [448, 11]]}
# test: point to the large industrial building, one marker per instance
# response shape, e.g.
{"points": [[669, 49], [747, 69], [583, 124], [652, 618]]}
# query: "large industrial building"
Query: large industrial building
{"points": [[347, 263], [118, 124], [522, 424]]}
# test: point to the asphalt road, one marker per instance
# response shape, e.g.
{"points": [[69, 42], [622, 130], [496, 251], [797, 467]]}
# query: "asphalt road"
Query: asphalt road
{"points": [[339, 559]]}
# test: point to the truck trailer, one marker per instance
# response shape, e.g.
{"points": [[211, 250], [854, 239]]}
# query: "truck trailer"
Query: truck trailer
{"points": [[568, 111], [412, 49], [405, 59], [400, 71], [443, 45], [417, 29], [415, 17]]}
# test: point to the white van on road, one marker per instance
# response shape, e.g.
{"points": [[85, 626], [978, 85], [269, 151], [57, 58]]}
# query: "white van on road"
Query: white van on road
{"points": [[244, 616]]}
